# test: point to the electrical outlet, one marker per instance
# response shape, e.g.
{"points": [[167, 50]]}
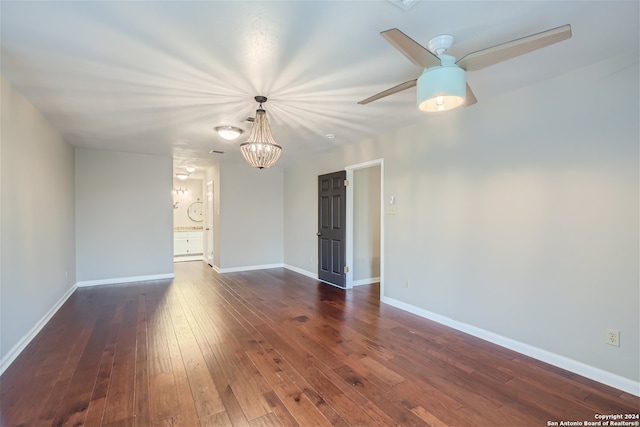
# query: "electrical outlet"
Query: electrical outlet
{"points": [[613, 337]]}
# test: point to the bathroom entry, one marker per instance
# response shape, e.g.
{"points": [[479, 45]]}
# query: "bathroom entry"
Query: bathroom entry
{"points": [[188, 219]]}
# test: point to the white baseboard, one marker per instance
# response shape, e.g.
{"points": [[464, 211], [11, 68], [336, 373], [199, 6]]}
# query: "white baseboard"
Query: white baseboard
{"points": [[15, 351], [118, 280], [247, 268], [183, 258], [264, 267], [301, 271], [368, 281], [311, 275], [596, 374]]}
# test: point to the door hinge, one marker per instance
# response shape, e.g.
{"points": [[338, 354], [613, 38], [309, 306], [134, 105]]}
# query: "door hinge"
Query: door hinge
{"points": [[346, 269], [346, 182]]}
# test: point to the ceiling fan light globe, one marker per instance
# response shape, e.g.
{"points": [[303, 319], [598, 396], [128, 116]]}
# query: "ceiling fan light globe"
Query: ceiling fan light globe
{"points": [[441, 103], [441, 88]]}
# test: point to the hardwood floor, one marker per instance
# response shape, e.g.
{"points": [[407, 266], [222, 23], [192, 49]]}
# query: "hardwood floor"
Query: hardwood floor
{"points": [[270, 348]]}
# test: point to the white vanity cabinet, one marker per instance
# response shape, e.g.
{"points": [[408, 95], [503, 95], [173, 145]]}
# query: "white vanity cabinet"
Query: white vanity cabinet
{"points": [[187, 243]]}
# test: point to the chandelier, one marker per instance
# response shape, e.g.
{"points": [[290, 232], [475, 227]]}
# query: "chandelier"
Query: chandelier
{"points": [[261, 150]]}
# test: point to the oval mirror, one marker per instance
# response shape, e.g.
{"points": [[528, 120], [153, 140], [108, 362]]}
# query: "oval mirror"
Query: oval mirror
{"points": [[196, 211]]}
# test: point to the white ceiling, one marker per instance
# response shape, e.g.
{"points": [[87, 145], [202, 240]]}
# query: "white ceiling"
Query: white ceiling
{"points": [[156, 77]]}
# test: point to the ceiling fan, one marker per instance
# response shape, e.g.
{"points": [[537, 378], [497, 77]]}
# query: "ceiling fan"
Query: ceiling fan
{"points": [[442, 85]]}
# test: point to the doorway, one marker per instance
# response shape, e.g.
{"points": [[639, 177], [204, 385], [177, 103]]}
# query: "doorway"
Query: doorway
{"points": [[209, 223], [188, 219], [365, 224]]}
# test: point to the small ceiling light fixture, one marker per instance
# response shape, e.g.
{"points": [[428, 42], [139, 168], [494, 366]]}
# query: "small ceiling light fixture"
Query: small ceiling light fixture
{"points": [[261, 150], [191, 169], [182, 175], [443, 87], [330, 136], [228, 132]]}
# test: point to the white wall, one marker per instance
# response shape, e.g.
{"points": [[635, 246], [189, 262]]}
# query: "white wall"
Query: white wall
{"points": [[124, 215], [250, 228], [366, 223], [301, 208], [37, 221], [517, 216]]}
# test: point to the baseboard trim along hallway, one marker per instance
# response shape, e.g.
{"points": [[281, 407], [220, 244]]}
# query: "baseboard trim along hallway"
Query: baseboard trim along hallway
{"points": [[117, 280]]}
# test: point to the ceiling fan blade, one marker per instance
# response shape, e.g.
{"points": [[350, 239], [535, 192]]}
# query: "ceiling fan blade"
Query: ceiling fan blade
{"points": [[493, 55], [395, 89], [410, 48], [471, 98]]}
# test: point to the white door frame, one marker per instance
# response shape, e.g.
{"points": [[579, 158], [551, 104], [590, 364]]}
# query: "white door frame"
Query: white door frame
{"points": [[349, 243], [210, 223]]}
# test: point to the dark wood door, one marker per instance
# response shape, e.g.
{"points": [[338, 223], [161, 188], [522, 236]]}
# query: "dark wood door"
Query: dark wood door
{"points": [[332, 211]]}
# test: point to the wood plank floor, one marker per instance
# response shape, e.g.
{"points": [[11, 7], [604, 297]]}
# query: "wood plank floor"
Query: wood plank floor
{"points": [[271, 348]]}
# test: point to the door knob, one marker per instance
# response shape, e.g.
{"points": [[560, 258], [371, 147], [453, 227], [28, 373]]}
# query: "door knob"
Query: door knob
{"points": [[318, 234]]}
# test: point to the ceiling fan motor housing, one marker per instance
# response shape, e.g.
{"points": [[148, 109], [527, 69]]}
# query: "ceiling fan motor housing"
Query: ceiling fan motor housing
{"points": [[439, 45], [442, 87]]}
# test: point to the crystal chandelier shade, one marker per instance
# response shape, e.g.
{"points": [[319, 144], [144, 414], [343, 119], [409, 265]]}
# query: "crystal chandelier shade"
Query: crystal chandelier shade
{"points": [[261, 150]]}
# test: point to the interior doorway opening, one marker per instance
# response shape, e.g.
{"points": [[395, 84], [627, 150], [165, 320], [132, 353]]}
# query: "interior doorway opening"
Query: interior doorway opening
{"points": [[188, 219], [365, 224], [210, 209]]}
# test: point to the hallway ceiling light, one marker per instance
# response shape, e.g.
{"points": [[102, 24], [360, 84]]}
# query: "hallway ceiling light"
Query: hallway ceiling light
{"points": [[191, 169], [261, 150], [182, 175], [228, 132]]}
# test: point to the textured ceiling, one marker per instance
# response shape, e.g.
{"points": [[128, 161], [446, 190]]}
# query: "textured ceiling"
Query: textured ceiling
{"points": [[156, 77]]}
